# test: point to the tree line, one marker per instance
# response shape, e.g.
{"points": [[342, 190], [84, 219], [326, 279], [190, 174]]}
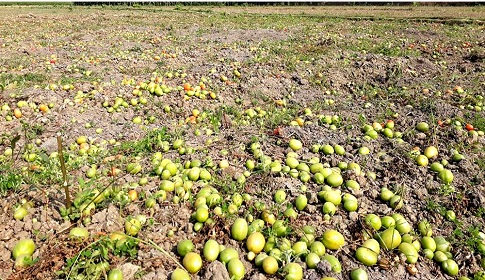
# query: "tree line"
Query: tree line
{"points": [[275, 3]]}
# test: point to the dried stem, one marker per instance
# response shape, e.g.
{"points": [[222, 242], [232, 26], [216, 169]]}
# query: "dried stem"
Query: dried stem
{"points": [[64, 173]]}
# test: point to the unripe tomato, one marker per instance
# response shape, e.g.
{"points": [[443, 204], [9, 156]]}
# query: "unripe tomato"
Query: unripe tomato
{"points": [[255, 242], [192, 262], [184, 247], [270, 265], [227, 254], [236, 269], [293, 271], [132, 226], [312, 260], [390, 238], [211, 250], [450, 267], [333, 239], [23, 247], [239, 229], [358, 274], [115, 274], [179, 274]]}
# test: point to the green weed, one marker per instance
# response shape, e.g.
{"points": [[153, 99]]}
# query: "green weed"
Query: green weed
{"points": [[10, 179], [146, 145]]}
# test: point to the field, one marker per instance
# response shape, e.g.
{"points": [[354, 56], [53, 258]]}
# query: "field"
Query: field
{"points": [[350, 137]]}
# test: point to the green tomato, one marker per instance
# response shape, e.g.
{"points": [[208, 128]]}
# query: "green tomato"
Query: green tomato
{"points": [[327, 149], [422, 126], [428, 242], [227, 254], [351, 205], [258, 261], [312, 259], [301, 202], [179, 274], [373, 221], [293, 271], [352, 184], [295, 144], [386, 194], [308, 229], [201, 214], [436, 167], [255, 242], [78, 233], [115, 274], [390, 238], [318, 248], [366, 256], [20, 213], [279, 196], [333, 196], [428, 254], [339, 150], [184, 247], [300, 248], [396, 202], [442, 244], [402, 225], [446, 176], [450, 267], [236, 269], [440, 256], [270, 265], [358, 274], [388, 222], [424, 228], [23, 247], [333, 239], [279, 227], [239, 230], [334, 263], [291, 213], [334, 180], [192, 262], [409, 251], [372, 245], [211, 250]]}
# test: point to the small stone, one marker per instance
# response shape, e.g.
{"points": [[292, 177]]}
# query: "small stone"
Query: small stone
{"points": [[129, 270], [354, 216], [36, 225], [258, 276], [216, 271]]}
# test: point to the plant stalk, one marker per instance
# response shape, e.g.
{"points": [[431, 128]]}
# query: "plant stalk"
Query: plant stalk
{"points": [[64, 173]]}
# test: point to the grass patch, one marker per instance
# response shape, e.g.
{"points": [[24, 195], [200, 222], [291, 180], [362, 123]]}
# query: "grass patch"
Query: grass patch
{"points": [[10, 179], [145, 145], [22, 80]]}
